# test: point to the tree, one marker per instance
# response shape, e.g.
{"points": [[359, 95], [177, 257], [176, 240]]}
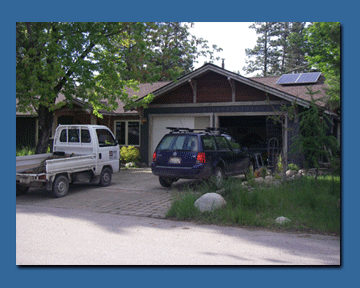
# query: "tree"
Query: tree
{"points": [[279, 49], [93, 62], [295, 57], [265, 52], [314, 140], [169, 50], [323, 52]]}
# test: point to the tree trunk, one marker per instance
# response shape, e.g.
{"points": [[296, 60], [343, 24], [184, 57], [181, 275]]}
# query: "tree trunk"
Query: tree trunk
{"points": [[46, 119]]}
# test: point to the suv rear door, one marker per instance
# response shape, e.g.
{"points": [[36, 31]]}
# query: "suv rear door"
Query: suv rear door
{"points": [[177, 150]]}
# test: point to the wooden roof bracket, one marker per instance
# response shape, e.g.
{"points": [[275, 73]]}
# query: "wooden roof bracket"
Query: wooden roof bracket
{"points": [[193, 86], [232, 85]]}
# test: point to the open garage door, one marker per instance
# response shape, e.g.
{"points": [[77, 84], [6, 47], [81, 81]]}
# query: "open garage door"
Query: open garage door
{"points": [[253, 132], [159, 123]]}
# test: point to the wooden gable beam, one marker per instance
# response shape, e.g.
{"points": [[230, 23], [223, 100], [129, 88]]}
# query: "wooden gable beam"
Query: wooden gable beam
{"points": [[193, 86], [232, 85]]}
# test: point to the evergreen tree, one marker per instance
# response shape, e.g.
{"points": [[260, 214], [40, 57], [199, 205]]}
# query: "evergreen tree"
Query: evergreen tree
{"points": [[295, 58], [265, 52], [279, 49], [314, 140]]}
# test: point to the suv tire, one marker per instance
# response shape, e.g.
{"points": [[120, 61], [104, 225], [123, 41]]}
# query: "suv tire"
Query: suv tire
{"points": [[165, 182]]}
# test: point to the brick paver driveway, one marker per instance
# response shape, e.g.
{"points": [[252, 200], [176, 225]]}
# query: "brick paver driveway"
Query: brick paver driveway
{"points": [[135, 192]]}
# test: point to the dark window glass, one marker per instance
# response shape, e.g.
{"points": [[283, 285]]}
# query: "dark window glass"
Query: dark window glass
{"points": [[222, 143], [192, 144], [120, 132], [63, 136], [85, 136], [73, 135], [105, 138], [133, 133], [208, 143]]}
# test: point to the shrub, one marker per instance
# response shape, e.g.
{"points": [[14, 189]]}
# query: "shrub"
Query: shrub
{"points": [[293, 167], [24, 151], [129, 154]]}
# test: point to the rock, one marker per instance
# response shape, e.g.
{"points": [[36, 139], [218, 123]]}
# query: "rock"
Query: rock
{"points": [[259, 180], [210, 202], [269, 178], [290, 173], [130, 164], [302, 172], [282, 220]]}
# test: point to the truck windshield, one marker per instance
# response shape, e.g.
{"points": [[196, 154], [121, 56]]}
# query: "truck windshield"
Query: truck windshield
{"points": [[105, 138]]}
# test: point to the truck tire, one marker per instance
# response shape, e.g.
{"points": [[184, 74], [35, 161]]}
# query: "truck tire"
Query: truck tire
{"points": [[105, 177], [21, 190], [60, 186]]}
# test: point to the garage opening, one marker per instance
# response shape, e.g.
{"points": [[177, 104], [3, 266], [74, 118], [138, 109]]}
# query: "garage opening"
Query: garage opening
{"points": [[257, 133]]}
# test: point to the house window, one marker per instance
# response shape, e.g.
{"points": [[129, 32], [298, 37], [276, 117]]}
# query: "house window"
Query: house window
{"points": [[127, 132]]}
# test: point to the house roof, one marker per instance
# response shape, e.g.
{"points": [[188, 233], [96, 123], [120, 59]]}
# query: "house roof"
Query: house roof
{"points": [[292, 93]]}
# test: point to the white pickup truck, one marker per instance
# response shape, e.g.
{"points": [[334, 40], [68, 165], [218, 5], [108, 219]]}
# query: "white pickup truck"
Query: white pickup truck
{"points": [[81, 153]]}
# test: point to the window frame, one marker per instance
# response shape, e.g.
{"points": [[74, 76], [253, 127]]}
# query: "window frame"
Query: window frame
{"points": [[127, 132]]}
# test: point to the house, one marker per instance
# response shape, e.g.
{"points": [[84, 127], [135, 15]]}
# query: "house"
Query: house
{"points": [[210, 96]]}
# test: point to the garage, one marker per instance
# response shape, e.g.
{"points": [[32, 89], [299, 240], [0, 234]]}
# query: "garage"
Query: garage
{"points": [[254, 132], [158, 124]]}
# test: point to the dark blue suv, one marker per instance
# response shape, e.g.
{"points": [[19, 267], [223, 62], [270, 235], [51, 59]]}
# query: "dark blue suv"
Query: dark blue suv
{"points": [[198, 154]]}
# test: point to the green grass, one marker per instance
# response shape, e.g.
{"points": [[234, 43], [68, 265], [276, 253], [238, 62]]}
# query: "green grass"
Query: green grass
{"points": [[25, 151], [311, 205]]}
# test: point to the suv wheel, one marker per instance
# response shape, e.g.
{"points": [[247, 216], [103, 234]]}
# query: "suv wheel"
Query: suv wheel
{"points": [[218, 177], [165, 182]]}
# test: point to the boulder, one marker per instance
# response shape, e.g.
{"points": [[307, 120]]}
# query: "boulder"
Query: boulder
{"points": [[210, 202], [290, 173], [302, 172], [282, 220]]}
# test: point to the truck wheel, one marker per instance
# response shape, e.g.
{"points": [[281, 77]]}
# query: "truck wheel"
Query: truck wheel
{"points": [[105, 177], [218, 177], [21, 190], [165, 182], [60, 186]]}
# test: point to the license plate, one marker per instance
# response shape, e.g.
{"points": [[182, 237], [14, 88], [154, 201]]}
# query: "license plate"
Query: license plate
{"points": [[175, 160]]}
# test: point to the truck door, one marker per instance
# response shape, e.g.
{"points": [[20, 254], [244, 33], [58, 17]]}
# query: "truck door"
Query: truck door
{"points": [[108, 152]]}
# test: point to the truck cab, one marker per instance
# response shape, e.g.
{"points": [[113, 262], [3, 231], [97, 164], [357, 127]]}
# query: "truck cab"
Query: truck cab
{"points": [[81, 153]]}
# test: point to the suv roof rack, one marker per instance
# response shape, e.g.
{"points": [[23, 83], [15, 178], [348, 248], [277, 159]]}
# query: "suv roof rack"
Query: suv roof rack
{"points": [[189, 130]]}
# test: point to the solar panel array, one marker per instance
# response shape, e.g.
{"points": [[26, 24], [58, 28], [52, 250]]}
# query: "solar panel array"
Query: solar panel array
{"points": [[301, 78]]}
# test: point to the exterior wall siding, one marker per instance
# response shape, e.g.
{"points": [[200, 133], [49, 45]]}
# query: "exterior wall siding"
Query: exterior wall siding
{"points": [[247, 93], [213, 88], [183, 94]]}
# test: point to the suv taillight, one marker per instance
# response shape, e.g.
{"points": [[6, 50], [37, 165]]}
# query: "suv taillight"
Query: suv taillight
{"points": [[201, 158], [154, 156]]}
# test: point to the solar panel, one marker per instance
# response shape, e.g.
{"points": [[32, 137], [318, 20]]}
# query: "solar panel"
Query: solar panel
{"points": [[301, 78], [309, 77], [288, 78]]}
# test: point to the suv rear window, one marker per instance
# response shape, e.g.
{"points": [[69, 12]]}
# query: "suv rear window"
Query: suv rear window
{"points": [[179, 142]]}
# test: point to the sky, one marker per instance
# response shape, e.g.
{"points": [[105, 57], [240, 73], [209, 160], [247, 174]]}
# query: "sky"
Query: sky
{"points": [[232, 37]]}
